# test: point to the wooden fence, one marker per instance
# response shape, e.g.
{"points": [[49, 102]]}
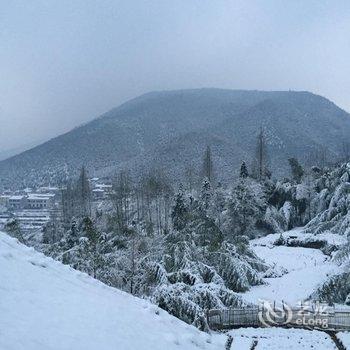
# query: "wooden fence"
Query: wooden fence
{"points": [[328, 318]]}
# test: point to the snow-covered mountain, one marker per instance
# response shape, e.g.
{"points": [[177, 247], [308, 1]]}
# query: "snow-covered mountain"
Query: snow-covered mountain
{"points": [[172, 129], [45, 305]]}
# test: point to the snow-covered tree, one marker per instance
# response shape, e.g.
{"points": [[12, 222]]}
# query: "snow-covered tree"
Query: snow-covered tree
{"points": [[297, 170], [179, 214], [206, 193], [13, 228], [246, 207]]}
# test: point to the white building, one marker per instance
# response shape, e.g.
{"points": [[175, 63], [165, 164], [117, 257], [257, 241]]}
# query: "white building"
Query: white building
{"points": [[17, 202], [40, 201]]}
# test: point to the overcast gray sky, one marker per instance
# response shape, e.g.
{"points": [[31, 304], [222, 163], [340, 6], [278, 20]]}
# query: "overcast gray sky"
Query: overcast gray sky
{"points": [[65, 62]]}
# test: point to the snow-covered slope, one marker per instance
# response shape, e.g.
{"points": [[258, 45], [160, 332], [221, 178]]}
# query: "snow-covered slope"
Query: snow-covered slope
{"points": [[344, 337], [46, 305], [305, 268]]}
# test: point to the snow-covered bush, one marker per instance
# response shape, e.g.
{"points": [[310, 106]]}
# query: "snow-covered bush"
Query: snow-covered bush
{"points": [[190, 303], [333, 203], [335, 290], [246, 208]]}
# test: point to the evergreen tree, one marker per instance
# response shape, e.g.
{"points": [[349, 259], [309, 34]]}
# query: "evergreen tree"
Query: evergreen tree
{"points": [[243, 171], [72, 235], [246, 207], [208, 168], [179, 213], [296, 169], [89, 230], [83, 194], [206, 194], [90, 251], [260, 164]]}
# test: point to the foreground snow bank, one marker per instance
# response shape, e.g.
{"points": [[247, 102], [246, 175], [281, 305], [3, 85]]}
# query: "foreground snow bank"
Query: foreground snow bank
{"points": [[280, 338], [46, 305]]}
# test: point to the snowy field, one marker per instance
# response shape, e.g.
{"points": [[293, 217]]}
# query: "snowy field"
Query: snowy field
{"points": [[344, 337], [45, 305], [280, 339], [307, 268]]}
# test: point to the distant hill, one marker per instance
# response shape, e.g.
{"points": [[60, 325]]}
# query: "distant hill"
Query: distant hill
{"points": [[171, 129]]}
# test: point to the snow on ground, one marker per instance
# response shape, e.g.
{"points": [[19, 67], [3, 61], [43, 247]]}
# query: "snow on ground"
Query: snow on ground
{"points": [[344, 337], [45, 305], [298, 232], [307, 269], [280, 338]]}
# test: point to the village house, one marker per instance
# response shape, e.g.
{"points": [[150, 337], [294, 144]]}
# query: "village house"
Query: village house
{"points": [[17, 202], [40, 201]]}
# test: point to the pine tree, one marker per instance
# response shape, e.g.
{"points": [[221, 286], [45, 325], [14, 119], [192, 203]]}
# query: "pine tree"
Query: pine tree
{"points": [[260, 163], [246, 206], [243, 171], [206, 193], [296, 169], [72, 234], [208, 168], [89, 230], [91, 247], [84, 194], [179, 213]]}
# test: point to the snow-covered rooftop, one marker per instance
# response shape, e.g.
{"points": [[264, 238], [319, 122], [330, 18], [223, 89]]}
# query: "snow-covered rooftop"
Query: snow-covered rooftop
{"points": [[16, 197], [103, 186]]}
